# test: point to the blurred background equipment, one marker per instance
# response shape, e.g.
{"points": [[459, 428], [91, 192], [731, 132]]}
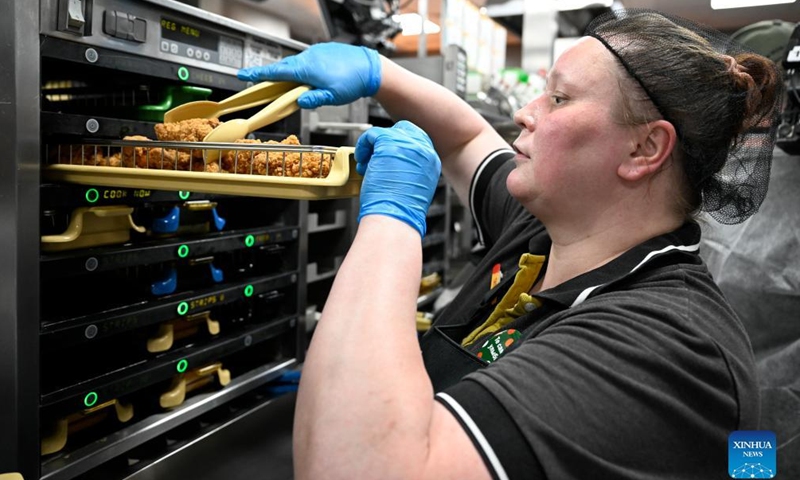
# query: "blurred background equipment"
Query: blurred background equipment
{"points": [[364, 22], [755, 263], [789, 129]]}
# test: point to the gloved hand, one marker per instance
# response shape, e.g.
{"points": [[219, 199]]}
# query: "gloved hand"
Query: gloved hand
{"points": [[401, 170], [340, 73]]}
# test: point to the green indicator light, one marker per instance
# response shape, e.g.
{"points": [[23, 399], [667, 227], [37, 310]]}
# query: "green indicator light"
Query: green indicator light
{"points": [[90, 399], [183, 73], [92, 195], [183, 251], [183, 308], [249, 240], [184, 195], [248, 291], [182, 366]]}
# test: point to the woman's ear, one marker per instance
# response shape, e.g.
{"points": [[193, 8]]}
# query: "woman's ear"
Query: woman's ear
{"points": [[651, 147]]}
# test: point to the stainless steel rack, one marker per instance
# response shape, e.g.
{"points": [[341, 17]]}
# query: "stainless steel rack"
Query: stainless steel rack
{"points": [[264, 310], [256, 169]]}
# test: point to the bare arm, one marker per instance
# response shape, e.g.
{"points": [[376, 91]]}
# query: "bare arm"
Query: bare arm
{"points": [[342, 73], [365, 406], [460, 134]]}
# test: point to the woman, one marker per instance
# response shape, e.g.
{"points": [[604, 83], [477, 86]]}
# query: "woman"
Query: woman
{"points": [[605, 350]]}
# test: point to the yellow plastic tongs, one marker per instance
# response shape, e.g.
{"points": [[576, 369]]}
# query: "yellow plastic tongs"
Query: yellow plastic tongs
{"points": [[254, 96], [232, 130]]}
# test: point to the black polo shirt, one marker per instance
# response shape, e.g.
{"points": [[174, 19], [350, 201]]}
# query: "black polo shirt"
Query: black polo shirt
{"points": [[638, 369]]}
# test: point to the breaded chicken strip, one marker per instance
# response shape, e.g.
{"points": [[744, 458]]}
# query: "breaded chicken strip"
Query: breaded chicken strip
{"points": [[276, 163], [245, 161], [159, 158], [191, 130]]}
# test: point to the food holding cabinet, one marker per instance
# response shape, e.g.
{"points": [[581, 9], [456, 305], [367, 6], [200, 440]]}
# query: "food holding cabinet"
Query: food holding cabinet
{"points": [[155, 288]]}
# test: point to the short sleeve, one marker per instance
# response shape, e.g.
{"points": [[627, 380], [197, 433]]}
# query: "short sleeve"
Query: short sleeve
{"points": [[602, 394]]}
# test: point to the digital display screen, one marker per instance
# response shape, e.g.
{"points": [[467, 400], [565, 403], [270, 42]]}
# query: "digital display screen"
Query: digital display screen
{"points": [[187, 33]]}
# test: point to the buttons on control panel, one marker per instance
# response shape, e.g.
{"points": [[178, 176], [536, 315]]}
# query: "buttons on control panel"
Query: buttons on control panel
{"points": [[191, 52], [125, 26]]}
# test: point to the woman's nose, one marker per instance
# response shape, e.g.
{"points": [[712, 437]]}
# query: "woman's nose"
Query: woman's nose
{"points": [[525, 118]]}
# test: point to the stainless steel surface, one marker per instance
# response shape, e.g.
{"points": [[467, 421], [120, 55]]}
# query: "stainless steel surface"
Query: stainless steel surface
{"points": [[448, 69], [226, 22], [255, 445], [350, 120], [697, 10], [109, 147], [305, 17], [80, 461], [102, 143], [19, 233], [257, 46]]}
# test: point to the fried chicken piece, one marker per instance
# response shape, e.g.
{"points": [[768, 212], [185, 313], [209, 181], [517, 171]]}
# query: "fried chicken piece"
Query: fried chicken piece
{"points": [[160, 158], [174, 159], [242, 161], [289, 164], [290, 140], [135, 156], [169, 159], [191, 130], [273, 163], [213, 167], [252, 162], [115, 160]]}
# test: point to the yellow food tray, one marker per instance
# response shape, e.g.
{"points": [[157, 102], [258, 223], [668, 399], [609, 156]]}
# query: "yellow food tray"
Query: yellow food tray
{"points": [[250, 169]]}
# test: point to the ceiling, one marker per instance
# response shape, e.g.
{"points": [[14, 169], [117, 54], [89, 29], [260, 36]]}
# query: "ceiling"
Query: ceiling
{"points": [[728, 20], [304, 16]]}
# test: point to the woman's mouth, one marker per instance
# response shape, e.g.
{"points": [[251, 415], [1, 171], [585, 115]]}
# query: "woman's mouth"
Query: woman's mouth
{"points": [[519, 154]]}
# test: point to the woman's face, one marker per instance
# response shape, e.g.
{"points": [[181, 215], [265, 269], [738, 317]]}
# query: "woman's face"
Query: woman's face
{"points": [[570, 147]]}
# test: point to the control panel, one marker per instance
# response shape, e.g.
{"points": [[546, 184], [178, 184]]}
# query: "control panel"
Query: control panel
{"points": [[166, 30]]}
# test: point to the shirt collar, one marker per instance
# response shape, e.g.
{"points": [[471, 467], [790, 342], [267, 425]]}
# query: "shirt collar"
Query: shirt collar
{"points": [[679, 246]]}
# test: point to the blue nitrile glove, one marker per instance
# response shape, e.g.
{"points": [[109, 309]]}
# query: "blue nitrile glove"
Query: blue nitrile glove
{"points": [[401, 170], [340, 73]]}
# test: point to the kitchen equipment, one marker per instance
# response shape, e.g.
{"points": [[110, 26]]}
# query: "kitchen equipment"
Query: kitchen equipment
{"points": [[281, 166], [79, 319], [235, 129], [94, 226], [254, 96]]}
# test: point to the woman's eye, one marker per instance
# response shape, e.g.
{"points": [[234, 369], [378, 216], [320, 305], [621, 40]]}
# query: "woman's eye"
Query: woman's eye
{"points": [[557, 100]]}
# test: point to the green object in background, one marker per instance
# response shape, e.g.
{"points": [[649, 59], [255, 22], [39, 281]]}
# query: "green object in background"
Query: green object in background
{"points": [[173, 96], [520, 75]]}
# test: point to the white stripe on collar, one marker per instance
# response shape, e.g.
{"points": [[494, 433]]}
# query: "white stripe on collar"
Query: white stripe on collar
{"points": [[684, 248], [475, 177]]}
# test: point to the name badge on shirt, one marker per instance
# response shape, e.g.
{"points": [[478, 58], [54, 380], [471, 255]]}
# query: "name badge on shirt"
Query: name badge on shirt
{"points": [[497, 344]]}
